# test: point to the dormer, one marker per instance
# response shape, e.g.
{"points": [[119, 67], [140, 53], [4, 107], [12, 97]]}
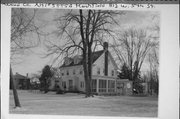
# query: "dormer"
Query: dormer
{"points": [[67, 61], [77, 59]]}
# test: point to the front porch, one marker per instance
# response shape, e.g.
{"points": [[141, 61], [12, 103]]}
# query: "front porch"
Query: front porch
{"points": [[103, 85]]}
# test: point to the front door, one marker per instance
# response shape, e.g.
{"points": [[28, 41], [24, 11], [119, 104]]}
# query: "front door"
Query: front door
{"points": [[71, 85], [76, 83], [120, 89]]}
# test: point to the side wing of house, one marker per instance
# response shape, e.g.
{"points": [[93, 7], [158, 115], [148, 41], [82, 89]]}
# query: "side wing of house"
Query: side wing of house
{"points": [[104, 83], [99, 66]]}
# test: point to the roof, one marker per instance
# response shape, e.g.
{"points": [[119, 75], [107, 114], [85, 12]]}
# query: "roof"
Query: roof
{"points": [[19, 76], [95, 56]]}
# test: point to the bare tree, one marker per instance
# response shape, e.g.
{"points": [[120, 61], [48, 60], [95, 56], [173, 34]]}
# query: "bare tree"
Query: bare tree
{"points": [[23, 30], [153, 71], [81, 31], [22, 27], [133, 47], [153, 57]]}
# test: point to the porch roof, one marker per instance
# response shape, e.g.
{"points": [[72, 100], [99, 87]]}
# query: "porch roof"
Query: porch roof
{"points": [[103, 77]]}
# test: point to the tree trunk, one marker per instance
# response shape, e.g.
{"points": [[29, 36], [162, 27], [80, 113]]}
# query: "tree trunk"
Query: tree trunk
{"points": [[86, 77], [46, 85], [90, 68], [16, 98]]}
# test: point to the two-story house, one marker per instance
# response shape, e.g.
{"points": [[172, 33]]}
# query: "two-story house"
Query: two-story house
{"points": [[104, 73]]}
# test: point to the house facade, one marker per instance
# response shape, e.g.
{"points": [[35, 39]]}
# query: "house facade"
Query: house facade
{"points": [[21, 82], [104, 73]]}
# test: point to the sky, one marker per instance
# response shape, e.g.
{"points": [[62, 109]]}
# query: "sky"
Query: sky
{"points": [[33, 61]]}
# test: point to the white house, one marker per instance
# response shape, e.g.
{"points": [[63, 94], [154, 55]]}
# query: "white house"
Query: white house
{"points": [[104, 73]]}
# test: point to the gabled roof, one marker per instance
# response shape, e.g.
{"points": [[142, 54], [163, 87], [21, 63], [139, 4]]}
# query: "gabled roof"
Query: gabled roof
{"points": [[19, 76], [95, 56]]}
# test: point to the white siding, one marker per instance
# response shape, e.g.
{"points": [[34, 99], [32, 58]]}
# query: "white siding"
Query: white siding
{"points": [[99, 63], [77, 77]]}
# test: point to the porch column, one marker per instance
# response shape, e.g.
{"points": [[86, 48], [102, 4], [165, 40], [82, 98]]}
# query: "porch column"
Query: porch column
{"points": [[106, 86], [115, 86], [97, 85]]}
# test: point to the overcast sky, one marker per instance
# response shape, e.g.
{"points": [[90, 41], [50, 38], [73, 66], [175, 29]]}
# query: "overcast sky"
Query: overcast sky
{"points": [[33, 61]]}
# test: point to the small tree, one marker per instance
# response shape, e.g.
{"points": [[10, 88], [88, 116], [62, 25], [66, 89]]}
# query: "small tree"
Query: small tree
{"points": [[124, 74], [45, 78]]}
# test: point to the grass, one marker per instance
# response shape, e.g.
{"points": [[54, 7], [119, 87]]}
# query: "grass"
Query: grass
{"points": [[77, 104]]}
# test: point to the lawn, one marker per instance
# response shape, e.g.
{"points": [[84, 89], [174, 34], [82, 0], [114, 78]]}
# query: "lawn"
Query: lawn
{"points": [[77, 104]]}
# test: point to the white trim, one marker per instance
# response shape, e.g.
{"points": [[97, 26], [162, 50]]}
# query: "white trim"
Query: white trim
{"points": [[103, 77]]}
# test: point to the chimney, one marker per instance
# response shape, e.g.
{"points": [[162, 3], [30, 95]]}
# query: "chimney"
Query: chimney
{"points": [[105, 45]]}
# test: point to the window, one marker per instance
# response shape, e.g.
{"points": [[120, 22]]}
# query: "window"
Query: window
{"points": [[74, 72], [82, 84], [80, 72], [102, 85], [111, 86], [121, 85], [76, 61], [62, 74], [112, 72], [67, 61], [64, 84], [98, 70], [67, 72], [70, 83]]}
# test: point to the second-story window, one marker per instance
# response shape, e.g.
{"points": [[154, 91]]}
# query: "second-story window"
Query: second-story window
{"points": [[80, 72], [112, 72], [98, 70], [76, 61], [74, 71], [67, 72]]}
